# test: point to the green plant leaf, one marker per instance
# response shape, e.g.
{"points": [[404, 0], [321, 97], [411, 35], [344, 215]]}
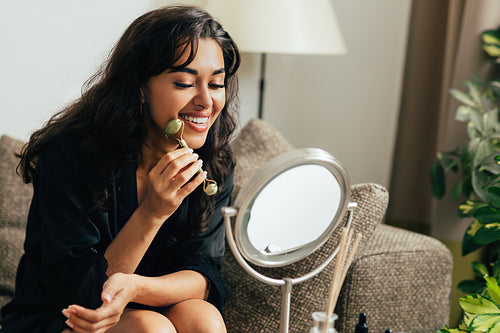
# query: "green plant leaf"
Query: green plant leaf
{"points": [[447, 329], [462, 97], [487, 214], [478, 304], [468, 207], [468, 243], [491, 37], [480, 181], [484, 322], [490, 164], [487, 234], [471, 286], [493, 289], [472, 146], [484, 149], [438, 180], [492, 50], [480, 269], [476, 119], [495, 328], [463, 113], [456, 191], [449, 160], [495, 87], [474, 91], [491, 121], [473, 131], [494, 195]]}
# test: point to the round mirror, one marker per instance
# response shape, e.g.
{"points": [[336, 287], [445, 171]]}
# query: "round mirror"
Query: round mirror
{"points": [[290, 207]]}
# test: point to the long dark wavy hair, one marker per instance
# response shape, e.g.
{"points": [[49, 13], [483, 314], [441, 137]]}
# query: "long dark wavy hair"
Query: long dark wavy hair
{"points": [[107, 116]]}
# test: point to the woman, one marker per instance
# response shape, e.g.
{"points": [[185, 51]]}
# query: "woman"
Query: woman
{"points": [[120, 235]]}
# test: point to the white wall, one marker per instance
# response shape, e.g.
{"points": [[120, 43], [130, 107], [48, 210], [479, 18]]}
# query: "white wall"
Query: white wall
{"points": [[347, 105]]}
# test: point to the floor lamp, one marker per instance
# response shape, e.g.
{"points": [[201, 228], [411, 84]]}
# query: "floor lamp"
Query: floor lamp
{"points": [[279, 27]]}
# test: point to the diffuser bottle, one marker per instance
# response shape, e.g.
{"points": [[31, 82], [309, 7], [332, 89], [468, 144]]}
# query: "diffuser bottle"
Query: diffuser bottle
{"points": [[323, 323]]}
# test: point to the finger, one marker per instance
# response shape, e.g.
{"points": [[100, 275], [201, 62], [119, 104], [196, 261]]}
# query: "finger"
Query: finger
{"points": [[186, 174], [192, 185], [85, 327], [88, 315], [110, 290], [166, 159], [178, 165], [86, 320]]}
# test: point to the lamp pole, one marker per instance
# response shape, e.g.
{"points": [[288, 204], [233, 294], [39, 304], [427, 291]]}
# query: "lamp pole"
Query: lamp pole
{"points": [[261, 86]]}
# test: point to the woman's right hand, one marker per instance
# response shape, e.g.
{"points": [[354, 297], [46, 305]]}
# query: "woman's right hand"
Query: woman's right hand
{"points": [[118, 291], [168, 183]]}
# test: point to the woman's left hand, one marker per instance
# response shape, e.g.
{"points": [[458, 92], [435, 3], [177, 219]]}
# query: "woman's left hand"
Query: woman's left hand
{"points": [[117, 292]]}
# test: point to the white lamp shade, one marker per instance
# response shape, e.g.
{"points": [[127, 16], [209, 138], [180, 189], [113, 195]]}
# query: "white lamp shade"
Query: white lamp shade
{"points": [[280, 26]]}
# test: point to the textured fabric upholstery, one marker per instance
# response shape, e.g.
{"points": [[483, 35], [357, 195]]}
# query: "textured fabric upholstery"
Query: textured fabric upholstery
{"points": [[402, 280], [255, 144], [15, 197]]}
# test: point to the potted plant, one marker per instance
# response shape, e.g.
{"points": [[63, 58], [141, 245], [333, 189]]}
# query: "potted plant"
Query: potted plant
{"points": [[478, 163], [481, 310]]}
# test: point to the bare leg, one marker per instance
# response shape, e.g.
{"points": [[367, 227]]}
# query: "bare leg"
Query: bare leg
{"points": [[143, 321], [196, 316]]}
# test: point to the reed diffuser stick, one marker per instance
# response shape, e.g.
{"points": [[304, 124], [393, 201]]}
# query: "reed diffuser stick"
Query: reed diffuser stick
{"points": [[345, 256], [336, 270]]}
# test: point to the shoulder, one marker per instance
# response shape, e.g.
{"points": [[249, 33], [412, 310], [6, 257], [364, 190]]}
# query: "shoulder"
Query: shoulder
{"points": [[63, 150]]}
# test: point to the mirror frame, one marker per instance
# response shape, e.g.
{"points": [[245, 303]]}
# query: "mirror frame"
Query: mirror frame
{"points": [[275, 167]]}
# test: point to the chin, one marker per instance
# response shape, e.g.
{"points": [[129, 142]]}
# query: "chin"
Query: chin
{"points": [[196, 143]]}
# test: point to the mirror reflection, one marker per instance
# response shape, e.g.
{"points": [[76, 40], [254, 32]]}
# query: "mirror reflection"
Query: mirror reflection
{"points": [[293, 209]]}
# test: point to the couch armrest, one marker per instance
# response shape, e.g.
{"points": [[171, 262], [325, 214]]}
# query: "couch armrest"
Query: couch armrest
{"points": [[402, 280]]}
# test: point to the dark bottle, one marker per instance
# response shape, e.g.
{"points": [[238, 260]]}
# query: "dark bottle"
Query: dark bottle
{"points": [[361, 327]]}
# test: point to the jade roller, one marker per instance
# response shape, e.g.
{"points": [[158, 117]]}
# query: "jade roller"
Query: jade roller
{"points": [[171, 131]]}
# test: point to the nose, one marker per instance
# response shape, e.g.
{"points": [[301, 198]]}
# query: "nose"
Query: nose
{"points": [[203, 99]]}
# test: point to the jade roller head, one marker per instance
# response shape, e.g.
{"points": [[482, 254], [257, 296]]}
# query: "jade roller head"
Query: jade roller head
{"points": [[173, 130]]}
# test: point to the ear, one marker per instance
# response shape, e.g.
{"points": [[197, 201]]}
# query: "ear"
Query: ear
{"points": [[143, 98]]}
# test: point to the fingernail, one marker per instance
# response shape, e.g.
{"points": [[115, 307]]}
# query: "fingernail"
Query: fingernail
{"points": [[66, 313], [190, 150], [204, 174], [69, 323], [195, 155], [200, 162]]}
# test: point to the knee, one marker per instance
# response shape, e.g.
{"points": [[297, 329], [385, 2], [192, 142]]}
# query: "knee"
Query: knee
{"points": [[197, 316], [150, 322]]}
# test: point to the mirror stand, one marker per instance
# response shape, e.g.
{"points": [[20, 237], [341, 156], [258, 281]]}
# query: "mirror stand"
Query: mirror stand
{"points": [[285, 283]]}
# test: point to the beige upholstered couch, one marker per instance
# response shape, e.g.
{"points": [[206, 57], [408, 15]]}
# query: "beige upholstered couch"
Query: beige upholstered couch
{"points": [[402, 280]]}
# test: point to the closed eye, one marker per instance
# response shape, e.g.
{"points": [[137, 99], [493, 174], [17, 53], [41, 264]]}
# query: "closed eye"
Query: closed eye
{"points": [[183, 85], [216, 86]]}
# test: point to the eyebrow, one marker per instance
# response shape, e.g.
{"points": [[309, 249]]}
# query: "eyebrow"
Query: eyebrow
{"points": [[194, 71]]}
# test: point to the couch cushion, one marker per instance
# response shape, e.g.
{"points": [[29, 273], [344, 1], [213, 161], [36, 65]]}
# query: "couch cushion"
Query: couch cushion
{"points": [[15, 197], [255, 144]]}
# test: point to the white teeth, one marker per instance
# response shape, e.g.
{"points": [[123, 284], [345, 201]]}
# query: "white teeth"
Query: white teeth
{"points": [[197, 120]]}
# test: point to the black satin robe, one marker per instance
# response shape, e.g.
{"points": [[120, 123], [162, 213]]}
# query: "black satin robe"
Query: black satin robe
{"points": [[66, 238]]}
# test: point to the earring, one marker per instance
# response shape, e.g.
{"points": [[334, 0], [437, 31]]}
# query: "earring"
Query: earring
{"points": [[141, 109]]}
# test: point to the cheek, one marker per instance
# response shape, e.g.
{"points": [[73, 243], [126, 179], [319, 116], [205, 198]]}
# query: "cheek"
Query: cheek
{"points": [[220, 102]]}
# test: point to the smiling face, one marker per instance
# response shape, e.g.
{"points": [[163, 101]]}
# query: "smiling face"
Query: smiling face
{"points": [[195, 93]]}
